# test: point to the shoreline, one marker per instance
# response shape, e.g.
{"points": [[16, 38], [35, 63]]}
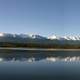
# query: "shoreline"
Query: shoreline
{"points": [[37, 49]]}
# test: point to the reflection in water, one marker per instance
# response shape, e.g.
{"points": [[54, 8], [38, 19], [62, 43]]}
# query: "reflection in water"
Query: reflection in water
{"points": [[51, 59], [39, 65], [30, 56], [66, 59]]}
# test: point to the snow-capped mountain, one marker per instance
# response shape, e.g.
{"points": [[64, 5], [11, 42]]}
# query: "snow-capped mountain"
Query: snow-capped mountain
{"points": [[64, 37], [32, 36], [22, 35], [31, 40]]}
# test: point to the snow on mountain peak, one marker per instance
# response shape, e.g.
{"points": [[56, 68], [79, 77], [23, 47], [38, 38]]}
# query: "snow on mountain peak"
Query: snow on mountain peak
{"points": [[1, 34], [36, 36], [64, 37], [30, 36], [52, 37], [33, 36]]}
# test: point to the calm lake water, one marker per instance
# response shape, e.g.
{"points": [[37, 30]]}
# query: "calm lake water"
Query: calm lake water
{"points": [[39, 65]]}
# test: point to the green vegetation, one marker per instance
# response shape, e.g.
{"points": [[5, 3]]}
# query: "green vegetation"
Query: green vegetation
{"points": [[37, 45]]}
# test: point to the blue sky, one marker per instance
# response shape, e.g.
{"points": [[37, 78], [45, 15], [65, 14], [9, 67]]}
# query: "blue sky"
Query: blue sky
{"points": [[45, 17]]}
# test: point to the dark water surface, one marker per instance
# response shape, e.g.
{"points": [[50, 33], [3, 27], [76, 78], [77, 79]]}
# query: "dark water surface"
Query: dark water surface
{"points": [[39, 65]]}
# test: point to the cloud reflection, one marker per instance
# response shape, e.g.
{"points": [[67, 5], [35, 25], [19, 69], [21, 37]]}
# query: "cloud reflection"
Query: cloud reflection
{"points": [[34, 59], [39, 56], [66, 59]]}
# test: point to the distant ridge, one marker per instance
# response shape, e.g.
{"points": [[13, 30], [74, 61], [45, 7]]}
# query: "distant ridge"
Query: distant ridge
{"points": [[36, 36], [21, 35], [38, 41]]}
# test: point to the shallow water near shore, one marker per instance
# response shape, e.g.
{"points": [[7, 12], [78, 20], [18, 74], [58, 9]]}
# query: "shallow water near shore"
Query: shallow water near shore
{"points": [[39, 65]]}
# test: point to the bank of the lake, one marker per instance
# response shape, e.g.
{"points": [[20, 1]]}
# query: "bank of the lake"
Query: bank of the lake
{"points": [[37, 49]]}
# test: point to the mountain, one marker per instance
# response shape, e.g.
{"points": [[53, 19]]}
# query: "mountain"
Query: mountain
{"points": [[32, 36], [31, 40], [64, 37], [22, 36]]}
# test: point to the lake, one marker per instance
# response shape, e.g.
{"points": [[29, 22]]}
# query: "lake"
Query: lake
{"points": [[39, 65]]}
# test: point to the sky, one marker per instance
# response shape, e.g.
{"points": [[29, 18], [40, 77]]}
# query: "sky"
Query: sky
{"points": [[44, 17]]}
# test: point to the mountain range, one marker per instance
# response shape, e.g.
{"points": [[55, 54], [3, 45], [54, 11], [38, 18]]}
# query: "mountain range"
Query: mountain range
{"points": [[31, 40], [32, 36]]}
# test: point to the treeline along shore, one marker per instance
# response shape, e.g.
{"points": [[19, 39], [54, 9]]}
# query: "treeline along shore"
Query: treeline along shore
{"points": [[51, 45]]}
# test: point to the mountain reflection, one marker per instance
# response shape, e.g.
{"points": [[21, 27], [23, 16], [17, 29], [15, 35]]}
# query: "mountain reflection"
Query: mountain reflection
{"points": [[33, 56]]}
